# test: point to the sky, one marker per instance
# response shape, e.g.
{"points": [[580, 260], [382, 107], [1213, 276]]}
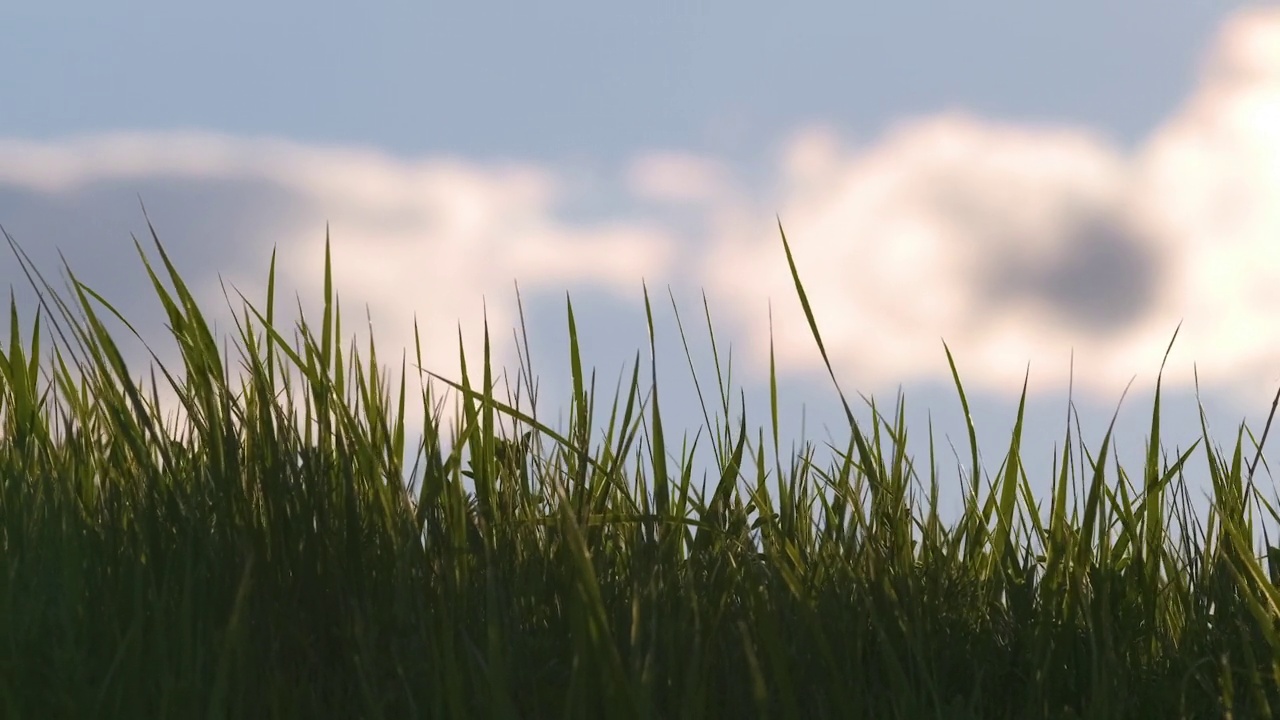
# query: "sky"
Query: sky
{"points": [[1052, 190]]}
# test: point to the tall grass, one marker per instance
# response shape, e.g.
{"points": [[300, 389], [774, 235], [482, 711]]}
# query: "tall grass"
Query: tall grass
{"points": [[252, 567]]}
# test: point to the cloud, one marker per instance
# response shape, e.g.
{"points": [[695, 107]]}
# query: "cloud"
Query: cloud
{"points": [[1019, 244], [438, 241], [679, 178]]}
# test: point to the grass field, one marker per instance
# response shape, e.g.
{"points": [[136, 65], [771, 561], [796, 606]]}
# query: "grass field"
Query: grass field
{"points": [[150, 573]]}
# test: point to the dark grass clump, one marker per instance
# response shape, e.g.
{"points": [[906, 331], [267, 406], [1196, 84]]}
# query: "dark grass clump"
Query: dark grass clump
{"points": [[256, 567]]}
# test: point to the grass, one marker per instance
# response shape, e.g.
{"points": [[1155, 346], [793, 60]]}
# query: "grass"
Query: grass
{"points": [[253, 566]]}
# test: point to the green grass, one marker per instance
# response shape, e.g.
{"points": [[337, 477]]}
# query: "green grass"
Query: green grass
{"points": [[148, 573]]}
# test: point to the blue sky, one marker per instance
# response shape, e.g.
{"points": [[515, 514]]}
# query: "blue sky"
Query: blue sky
{"points": [[1024, 182]]}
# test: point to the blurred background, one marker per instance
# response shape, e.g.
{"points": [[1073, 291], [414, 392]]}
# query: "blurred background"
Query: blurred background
{"points": [[1051, 190]]}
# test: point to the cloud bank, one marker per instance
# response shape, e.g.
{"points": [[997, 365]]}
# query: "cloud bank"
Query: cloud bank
{"points": [[1022, 244]]}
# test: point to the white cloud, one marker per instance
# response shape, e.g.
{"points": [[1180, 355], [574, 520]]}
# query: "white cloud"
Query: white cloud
{"points": [[1018, 244], [679, 178], [436, 239]]}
